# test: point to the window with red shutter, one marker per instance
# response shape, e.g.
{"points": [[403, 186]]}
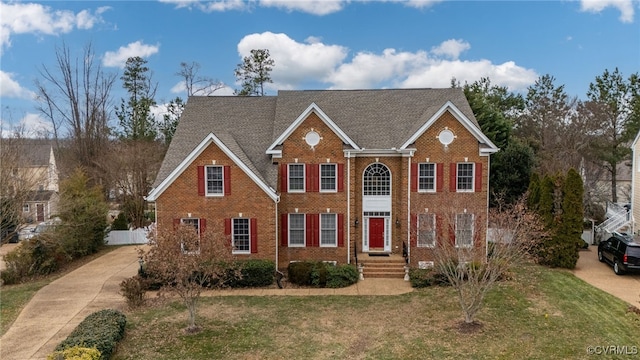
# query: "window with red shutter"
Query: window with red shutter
{"points": [[254, 235], [200, 180], [284, 230], [478, 176], [227, 180]]}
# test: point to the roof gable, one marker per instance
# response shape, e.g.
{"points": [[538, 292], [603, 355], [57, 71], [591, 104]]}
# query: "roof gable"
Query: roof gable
{"points": [[208, 140], [313, 108], [489, 147]]}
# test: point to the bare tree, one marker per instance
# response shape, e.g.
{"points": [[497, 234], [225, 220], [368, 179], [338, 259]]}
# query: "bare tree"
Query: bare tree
{"points": [[472, 270], [74, 95], [19, 180], [195, 84], [185, 260]]}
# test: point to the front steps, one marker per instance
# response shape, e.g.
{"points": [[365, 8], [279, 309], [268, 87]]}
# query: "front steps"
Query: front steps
{"points": [[390, 267]]}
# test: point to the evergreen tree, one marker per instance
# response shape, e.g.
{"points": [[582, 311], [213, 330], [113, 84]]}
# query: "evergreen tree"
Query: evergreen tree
{"points": [[136, 120], [254, 73], [510, 172], [533, 200]]}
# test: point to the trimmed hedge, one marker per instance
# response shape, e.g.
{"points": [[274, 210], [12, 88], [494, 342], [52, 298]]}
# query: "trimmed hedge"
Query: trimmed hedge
{"points": [[321, 274], [102, 330], [76, 353], [251, 273], [420, 278]]}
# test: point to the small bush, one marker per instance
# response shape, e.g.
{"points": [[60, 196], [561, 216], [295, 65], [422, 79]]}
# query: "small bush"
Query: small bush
{"points": [[420, 278], [120, 222], [76, 353], [341, 276], [319, 274], [299, 273], [134, 289], [102, 330], [255, 273]]}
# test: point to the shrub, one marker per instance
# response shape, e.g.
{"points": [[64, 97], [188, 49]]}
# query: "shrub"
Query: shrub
{"points": [[319, 274], [134, 289], [76, 353], [251, 273], [40, 255], [120, 222], [102, 330], [420, 278], [299, 273], [341, 276]]}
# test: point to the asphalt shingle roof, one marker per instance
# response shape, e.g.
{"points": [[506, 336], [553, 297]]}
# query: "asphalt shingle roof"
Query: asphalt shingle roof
{"points": [[373, 119]]}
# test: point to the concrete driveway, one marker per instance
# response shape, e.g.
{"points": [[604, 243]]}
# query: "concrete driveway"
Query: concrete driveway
{"points": [[59, 307], [601, 275]]}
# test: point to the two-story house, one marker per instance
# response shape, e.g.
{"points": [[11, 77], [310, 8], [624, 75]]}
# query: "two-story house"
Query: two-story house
{"points": [[329, 175]]}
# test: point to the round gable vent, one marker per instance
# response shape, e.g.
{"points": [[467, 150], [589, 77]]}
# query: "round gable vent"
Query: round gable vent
{"points": [[446, 137], [312, 138]]}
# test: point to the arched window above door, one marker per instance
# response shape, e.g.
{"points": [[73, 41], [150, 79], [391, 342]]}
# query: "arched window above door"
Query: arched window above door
{"points": [[377, 180]]}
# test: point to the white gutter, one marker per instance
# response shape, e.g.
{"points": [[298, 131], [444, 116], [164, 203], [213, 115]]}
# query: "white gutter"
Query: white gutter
{"points": [[409, 208], [348, 208], [277, 232]]}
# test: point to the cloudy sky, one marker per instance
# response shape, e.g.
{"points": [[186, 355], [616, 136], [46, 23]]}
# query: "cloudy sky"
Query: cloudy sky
{"points": [[320, 44]]}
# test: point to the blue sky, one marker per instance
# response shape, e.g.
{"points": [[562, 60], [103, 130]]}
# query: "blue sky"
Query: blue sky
{"points": [[321, 44]]}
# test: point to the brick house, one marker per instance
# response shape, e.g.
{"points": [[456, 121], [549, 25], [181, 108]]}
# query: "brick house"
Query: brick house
{"points": [[329, 175]]}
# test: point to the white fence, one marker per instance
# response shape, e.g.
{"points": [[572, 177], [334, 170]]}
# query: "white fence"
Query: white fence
{"points": [[127, 237]]}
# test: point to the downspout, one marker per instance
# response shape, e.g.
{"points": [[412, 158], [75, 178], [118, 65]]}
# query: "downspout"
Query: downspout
{"points": [[277, 232], [486, 234], [409, 208], [348, 208]]}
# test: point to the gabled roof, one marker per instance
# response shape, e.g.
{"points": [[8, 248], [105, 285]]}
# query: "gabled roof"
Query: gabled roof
{"points": [[253, 128], [32, 152]]}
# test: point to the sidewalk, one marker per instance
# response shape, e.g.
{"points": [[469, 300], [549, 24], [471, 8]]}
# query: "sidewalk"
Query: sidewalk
{"points": [[59, 307]]}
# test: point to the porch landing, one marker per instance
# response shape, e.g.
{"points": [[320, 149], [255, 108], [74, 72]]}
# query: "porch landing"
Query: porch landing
{"points": [[377, 265]]}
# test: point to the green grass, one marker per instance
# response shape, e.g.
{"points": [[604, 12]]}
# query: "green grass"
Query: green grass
{"points": [[542, 314]]}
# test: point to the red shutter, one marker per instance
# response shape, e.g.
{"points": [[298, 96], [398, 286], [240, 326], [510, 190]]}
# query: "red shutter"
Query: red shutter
{"points": [[203, 225], [414, 177], [284, 230], [312, 230], [414, 230], [227, 180], [340, 230], [439, 176], [254, 235], [453, 186], [227, 230], [176, 224], [283, 178], [200, 180], [340, 177], [311, 177], [478, 171]]}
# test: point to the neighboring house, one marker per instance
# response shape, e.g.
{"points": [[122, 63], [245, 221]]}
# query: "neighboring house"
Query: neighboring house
{"points": [[326, 175], [635, 185], [38, 168]]}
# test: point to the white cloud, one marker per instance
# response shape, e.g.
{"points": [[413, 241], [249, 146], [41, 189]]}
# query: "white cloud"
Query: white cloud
{"points": [[421, 4], [451, 48], [295, 62], [10, 88], [314, 61], [31, 18], [30, 126], [597, 6], [119, 58], [315, 7]]}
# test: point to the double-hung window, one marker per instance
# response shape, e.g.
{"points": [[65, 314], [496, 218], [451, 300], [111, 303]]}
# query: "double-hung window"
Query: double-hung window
{"points": [[464, 230], [241, 236], [426, 230], [191, 245], [328, 176], [214, 180], [465, 177], [25, 208], [328, 230], [296, 177], [296, 230], [427, 177]]}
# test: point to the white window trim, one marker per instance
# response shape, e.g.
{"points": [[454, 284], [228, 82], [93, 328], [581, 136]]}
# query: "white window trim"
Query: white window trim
{"points": [[304, 231], [335, 184], [433, 230], [206, 181], [233, 236], [473, 177], [435, 178], [304, 178], [458, 245], [26, 208], [335, 240], [196, 252]]}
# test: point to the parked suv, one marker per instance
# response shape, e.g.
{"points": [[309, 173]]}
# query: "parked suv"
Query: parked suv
{"points": [[622, 252]]}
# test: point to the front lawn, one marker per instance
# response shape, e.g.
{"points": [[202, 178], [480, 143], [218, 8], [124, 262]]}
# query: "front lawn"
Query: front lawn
{"points": [[542, 314]]}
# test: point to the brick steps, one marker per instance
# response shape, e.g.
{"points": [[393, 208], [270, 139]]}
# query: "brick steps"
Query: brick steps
{"points": [[391, 267]]}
